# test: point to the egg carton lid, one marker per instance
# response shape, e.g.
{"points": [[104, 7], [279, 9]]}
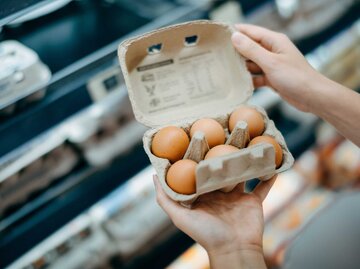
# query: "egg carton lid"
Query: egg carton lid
{"points": [[184, 71]]}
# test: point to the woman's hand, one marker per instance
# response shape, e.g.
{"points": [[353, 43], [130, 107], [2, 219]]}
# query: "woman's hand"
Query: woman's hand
{"points": [[228, 225], [274, 61]]}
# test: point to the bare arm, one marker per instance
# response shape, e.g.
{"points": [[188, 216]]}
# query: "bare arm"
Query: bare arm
{"points": [[275, 61], [339, 106]]}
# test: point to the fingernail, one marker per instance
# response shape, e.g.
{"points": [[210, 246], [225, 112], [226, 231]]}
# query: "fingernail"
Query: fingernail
{"points": [[236, 38]]}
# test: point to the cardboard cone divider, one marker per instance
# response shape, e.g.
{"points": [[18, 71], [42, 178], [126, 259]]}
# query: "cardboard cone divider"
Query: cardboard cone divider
{"points": [[174, 82], [198, 147]]}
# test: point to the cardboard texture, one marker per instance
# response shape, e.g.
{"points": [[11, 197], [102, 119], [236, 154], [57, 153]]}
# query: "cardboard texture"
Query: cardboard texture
{"points": [[185, 72]]}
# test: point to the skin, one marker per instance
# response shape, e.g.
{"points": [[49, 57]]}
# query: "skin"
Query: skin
{"points": [[274, 61], [230, 225]]}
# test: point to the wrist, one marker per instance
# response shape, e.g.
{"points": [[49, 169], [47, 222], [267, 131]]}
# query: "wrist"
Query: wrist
{"points": [[250, 257]]}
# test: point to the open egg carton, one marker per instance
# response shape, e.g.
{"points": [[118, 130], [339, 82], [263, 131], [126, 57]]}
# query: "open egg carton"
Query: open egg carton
{"points": [[23, 77], [186, 72]]}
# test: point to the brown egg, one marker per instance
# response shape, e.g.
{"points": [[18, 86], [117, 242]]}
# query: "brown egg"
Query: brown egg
{"points": [[213, 131], [170, 143], [181, 177], [252, 117], [272, 141], [220, 150]]}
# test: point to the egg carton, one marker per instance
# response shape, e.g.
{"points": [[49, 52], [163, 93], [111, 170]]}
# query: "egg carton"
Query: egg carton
{"points": [[33, 168], [190, 71], [23, 77]]}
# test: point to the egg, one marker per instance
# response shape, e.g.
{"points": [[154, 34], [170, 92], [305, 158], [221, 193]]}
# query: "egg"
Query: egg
{"points": [[220, 150], [181, 177], [213, 131], [252, 117], [170, 143], [272, 141]]}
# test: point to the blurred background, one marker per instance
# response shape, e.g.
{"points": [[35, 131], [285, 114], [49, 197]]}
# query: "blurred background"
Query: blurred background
{"points": [[75, 184]]}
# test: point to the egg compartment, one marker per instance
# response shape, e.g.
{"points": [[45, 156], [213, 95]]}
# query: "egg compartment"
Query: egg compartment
{"points": [[186, 72], [224, 172]]}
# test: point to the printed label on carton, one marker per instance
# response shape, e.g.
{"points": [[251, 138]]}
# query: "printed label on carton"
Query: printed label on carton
{"points": [[198, 82]]}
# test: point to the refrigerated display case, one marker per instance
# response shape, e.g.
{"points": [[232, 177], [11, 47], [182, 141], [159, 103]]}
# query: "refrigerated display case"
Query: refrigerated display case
{"points": [[75, 184]]}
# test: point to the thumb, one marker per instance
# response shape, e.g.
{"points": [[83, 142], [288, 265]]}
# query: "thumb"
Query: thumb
{"points": [[176, 212], [251, 49]]}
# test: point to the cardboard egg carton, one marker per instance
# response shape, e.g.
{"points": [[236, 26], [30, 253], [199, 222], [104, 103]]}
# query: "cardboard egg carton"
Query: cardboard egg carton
{"points": [[185, 72]]}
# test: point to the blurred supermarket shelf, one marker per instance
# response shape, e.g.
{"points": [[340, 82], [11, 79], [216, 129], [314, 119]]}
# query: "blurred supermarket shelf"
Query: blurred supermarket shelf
{"points": [[87, 111], [300, 19], [22, 75], [12, 10], [67, 88], [85, 123], [102, 131], [126, 224]]}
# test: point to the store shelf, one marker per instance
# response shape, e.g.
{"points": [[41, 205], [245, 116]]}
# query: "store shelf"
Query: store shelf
{"points": [[12, 9], [67, 88], [346, 20], [162, 255], [67, 92], [20, 237], [59, 187], [67, 96], [81, 27]]}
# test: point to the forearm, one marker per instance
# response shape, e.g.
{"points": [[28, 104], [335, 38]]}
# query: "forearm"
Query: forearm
{"points": [[337, 105], [245, 259]]}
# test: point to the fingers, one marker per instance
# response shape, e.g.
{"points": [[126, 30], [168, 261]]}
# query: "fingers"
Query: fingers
{"points": [[253, 68], [259, 81], [269, 39], [239, 187], [173, 209], [251, 50], [258, 77], [263, 188]]}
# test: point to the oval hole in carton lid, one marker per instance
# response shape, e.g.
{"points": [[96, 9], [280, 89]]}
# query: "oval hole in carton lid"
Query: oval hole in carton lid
{"points": [[153, 49], [182, 82], [191, 40]]}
